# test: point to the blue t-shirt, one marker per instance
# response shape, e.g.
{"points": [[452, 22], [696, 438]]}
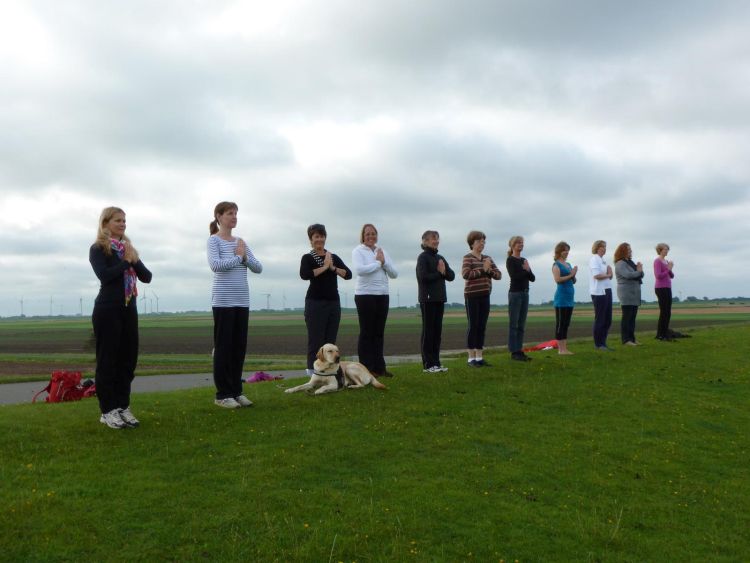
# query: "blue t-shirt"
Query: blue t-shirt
{"points": [[565, 293]]}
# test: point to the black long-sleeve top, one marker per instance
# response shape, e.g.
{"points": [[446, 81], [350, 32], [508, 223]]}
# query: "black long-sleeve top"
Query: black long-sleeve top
{"points": [[110, 270], [519, 278], [324, 286], [431, 283]]}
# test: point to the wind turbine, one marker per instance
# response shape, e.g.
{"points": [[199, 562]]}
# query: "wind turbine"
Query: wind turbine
{"points": [[157, 302], [268, 300]]}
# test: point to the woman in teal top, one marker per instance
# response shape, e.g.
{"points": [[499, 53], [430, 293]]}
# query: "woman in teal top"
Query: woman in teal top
{"points": [[565, 276]]}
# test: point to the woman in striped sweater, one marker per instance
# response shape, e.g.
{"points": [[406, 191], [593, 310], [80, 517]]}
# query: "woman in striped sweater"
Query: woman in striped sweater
{"points": [[229, 258], [478, 270]]}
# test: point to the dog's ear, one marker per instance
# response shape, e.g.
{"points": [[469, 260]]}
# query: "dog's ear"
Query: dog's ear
{"points": [[319, 355]]}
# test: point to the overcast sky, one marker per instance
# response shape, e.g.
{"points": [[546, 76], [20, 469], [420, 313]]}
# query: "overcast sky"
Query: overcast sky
{"points": [[574, 120]]}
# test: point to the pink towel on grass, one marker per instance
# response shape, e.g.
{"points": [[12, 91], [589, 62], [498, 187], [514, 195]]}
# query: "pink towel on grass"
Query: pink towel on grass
{"points": [[259, 376]]}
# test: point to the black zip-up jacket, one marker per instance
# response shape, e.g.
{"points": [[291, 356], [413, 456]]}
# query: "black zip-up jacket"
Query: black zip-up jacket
{"points": [[431, 282], [110, 271], [519, 278]]}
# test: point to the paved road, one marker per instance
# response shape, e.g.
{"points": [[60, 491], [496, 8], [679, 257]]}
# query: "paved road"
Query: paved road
{"points": [[15, 393]]}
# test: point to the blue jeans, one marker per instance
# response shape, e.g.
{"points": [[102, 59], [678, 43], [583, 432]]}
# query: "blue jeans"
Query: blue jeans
{"points": [[518, 308]]}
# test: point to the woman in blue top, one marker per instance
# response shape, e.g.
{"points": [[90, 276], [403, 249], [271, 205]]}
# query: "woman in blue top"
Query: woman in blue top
{"points": [[565, 276]]}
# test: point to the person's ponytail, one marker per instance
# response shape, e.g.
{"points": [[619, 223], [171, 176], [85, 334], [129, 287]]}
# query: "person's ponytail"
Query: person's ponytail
{"points": [[220, 209]]}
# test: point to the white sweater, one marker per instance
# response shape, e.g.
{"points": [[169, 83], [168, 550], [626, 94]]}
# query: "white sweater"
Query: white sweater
{"points": [[372, 276]]}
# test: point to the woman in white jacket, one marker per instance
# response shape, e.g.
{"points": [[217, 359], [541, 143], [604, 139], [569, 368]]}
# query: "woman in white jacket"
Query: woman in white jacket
{"points": [[373, 267]]}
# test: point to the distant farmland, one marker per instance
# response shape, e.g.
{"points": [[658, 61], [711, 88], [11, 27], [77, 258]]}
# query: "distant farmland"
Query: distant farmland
{"points": [[284, 333]]}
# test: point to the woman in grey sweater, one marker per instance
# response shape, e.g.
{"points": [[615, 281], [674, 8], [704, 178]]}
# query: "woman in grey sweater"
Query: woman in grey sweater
{"points": [[629, 279]]}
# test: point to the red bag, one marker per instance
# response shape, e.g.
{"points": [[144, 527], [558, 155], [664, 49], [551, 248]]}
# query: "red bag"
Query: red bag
{"points": [[64, 386]]}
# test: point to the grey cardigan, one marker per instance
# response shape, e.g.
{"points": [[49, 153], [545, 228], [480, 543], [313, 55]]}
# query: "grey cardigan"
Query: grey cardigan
{"points": [[628, 283]]}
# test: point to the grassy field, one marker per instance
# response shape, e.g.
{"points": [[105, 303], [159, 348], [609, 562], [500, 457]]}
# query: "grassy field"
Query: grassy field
{"points": [[32, 348], [636, 455]]}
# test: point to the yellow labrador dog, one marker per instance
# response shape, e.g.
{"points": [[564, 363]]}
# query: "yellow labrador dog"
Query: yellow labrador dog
{"points": [[332, 375]]}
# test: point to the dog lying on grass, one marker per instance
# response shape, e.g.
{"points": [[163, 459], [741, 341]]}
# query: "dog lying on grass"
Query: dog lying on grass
{"points": [[332, 375]]}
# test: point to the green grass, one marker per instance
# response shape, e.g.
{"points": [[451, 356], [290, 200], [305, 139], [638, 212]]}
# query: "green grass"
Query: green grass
{"points": [[637, 455]]}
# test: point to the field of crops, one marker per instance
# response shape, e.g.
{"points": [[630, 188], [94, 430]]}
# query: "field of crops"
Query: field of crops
{"points": [[182, 343]]}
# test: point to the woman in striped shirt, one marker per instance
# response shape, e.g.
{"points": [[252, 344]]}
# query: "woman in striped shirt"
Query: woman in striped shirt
{"points": [[229, 258], [478, 270]]}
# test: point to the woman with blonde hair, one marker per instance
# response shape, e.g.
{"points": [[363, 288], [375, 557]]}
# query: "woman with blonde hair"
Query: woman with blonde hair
{"points": [[518, 297], [373, 267], [115, 318], [565, 276], [600, 285], [663, 275]]}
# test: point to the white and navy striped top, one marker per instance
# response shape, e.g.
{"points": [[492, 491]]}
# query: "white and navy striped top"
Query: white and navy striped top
{"points": [[230, 288]]}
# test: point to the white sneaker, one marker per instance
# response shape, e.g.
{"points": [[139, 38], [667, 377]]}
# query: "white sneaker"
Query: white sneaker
{"points": [[228, 403], [243, 401], [442, 368], [433, 369], [128, 418], [112, 419]]}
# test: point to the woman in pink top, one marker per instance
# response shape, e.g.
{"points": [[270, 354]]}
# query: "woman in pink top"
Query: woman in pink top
{"points": [[663, 287]]}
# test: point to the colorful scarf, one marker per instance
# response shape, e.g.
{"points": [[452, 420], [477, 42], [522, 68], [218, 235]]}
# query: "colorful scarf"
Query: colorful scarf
{"points": [[130, 278]]}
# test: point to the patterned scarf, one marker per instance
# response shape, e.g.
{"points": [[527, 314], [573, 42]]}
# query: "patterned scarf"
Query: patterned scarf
{"points": [[318, 260], [130, 278]]}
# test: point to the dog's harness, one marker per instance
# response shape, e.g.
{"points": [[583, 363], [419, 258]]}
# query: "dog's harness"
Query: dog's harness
{"points": [[339, 375]]}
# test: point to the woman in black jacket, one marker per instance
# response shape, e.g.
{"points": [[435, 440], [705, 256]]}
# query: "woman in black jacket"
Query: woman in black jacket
{"points": [[432, 271], [520, 275], [115, 317]]}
